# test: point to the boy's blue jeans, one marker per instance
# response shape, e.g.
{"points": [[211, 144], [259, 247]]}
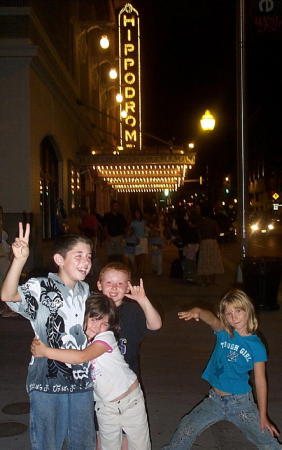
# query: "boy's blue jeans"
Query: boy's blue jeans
{"points": [[241, 410], [55, 418]]}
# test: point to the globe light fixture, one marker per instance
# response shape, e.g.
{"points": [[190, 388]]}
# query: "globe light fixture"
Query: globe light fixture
{"points": [[104, 42], [207, 121], [119, 97], [113, 73]]}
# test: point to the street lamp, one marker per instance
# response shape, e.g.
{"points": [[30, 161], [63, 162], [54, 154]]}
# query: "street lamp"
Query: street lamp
{"points": [[207, 121]]}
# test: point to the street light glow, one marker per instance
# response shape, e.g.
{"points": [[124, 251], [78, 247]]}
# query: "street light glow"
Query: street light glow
{"points": [[207, 121], [119, 97], [113, 74], [123, 114]]}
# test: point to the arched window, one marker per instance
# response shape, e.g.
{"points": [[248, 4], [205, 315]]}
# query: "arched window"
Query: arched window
{"points": [[49, 188]]}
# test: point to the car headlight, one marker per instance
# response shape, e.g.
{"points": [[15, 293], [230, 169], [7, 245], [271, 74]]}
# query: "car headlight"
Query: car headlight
{"points": [[254, 227]]}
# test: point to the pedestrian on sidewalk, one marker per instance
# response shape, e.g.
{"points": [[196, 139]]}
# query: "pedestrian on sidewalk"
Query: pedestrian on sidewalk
{"points": [[209, 258], [141, 229], [156, 250], [61, 395], [238, 350], [130, 243], [5, 255], [115, 225], [119, 397], [190, 252], [5, 260]]}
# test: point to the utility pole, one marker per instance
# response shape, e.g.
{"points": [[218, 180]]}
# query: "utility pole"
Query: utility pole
{"points": [[242, 167]]}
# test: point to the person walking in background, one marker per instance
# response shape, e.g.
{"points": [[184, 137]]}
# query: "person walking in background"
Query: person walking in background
{"points": [[5, 254], [238, 350], [130, 243], [89, 226], [114, 228], [119, 399], [190, 252], [209, 258], [156, 250], [61, 395], [74, 221], [141, 231], [5, 260]]}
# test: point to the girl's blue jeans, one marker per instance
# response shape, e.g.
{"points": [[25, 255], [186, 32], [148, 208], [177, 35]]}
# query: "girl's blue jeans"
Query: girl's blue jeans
{"points": [[241, 410], [55, 418]]}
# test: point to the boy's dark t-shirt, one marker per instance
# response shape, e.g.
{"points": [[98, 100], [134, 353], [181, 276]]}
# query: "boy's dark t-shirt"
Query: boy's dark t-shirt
{"points": [[132, 330]]}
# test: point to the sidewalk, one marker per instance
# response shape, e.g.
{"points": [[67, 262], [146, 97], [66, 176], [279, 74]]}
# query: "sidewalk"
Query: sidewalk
{"points": [[172, 361]]}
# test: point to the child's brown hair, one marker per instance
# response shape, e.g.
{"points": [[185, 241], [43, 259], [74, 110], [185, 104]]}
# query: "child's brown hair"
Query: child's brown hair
{"points": [[67, 242], [99, 306]]}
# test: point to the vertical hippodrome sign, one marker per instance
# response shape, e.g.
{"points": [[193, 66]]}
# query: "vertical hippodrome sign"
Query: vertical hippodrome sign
{"points": [[129, 77]]}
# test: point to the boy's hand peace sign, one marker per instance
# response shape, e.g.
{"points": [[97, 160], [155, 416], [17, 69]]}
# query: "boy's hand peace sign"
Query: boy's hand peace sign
{"points": [[20, 245]]}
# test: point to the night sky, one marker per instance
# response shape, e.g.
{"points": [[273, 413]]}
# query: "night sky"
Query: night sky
{"points": [[189, 65]]}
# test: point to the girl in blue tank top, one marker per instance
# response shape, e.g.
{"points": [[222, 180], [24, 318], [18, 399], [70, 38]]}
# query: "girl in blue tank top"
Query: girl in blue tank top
{"points": [[237, 351]]}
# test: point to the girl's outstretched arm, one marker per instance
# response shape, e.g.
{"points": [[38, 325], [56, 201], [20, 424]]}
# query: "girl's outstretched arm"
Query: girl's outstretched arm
{"points": [[38, 349], [202, 314], [261, 390]]}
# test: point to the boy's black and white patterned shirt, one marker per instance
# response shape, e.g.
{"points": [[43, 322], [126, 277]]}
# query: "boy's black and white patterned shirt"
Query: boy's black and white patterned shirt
{"points": [[56, 313]]}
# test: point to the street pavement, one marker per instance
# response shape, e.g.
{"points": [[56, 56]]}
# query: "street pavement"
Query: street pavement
{"points": [[172, 360]]}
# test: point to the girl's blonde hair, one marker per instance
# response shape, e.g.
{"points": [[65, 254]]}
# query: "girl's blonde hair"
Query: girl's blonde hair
{"points": [[238, 299]]}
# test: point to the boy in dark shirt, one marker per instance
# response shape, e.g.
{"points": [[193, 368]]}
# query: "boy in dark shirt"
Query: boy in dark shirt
{"points": [[136, 317]]}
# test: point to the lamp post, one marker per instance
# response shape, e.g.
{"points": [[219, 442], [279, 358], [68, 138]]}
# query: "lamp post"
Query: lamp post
{"points": [[241, 136], [207, 122]]}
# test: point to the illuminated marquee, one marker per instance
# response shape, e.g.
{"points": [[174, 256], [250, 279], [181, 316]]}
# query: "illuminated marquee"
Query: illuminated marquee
{"points": [[129, 77]]}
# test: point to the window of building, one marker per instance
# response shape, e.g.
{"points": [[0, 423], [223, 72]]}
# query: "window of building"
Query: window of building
{"points": [[74, 186]]}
